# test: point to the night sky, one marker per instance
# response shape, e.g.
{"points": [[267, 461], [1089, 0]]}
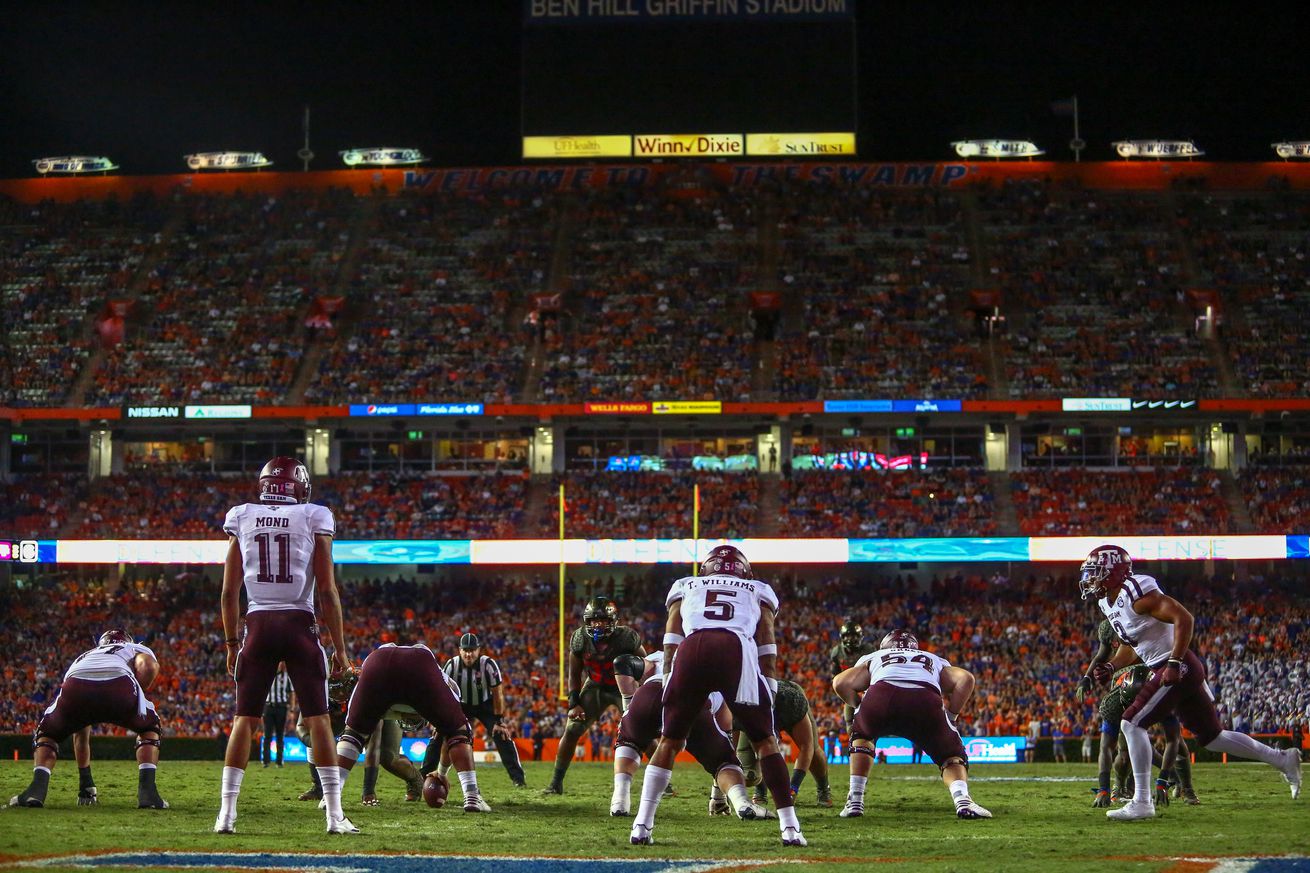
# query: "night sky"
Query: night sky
{"points": [[147, 82]]}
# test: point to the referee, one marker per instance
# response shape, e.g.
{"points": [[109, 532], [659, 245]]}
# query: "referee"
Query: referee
{"points": [[275, 713], [483, 698]]}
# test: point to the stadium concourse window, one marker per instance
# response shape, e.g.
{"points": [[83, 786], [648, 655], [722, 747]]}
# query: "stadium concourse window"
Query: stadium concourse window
{"points": [[1275, 448], [1104, 445], [422, 450], [925, 446], [620, 450], [196, 453], [48, 452]]}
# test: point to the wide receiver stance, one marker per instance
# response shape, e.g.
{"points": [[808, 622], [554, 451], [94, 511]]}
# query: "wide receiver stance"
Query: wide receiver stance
{"points": [[905, 690], [281, 549], [104, 685], [720, 628], [707, 742], [1158, 630], [396, 681]]}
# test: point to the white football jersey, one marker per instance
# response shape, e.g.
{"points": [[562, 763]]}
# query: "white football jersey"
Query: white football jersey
{"points": [[721, 602], [904, 667], [277, 551], [1152, 639], [656, 658], [107, 662]]}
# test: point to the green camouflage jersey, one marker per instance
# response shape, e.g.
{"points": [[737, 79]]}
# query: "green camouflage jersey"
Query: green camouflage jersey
{"points": [[598, 663], [1124, 686], [844, 660]]}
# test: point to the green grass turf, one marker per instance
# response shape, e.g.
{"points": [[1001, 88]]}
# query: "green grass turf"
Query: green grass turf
{"points": [[1039, 825]]}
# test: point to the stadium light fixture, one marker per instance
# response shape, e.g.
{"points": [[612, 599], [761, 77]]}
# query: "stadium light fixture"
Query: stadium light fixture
{"points": [[73, 165], [996, 148], [1156, 148], [382, 156], [227, 161], [1292, 149]]}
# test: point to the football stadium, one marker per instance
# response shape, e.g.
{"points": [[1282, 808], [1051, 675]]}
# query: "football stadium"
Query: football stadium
{"points": [[537, 493]]}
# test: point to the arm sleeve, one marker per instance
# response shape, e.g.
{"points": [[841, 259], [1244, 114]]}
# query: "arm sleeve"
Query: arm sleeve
{"points": [[1105, 632], [321, 520], [493, 673], [577, 646], [232, 521]]}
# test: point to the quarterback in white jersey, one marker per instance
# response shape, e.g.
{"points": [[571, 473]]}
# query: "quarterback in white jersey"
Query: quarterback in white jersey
{"points": [[1158, 630], [280, 551], [913, 694], [102, 686], [719, 637]]}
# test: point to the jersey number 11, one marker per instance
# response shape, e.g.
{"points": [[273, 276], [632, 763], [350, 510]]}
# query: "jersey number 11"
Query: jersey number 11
{"points": [[282, 542]]}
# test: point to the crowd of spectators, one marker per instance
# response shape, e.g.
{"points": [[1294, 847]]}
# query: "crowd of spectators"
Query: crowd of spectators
{"points": [[657, 306], [1092, 284], [220, 316], [1027, 640], [424, 506], [432, 293], [882, 278], [653, 504], [1278, 498], [60, 263], [1067, 501], [888, 503]]}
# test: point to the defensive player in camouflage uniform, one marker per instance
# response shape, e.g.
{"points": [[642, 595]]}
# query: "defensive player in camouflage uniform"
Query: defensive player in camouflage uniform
{"points": [[851, 646], [792, 716], [592, 648], [1124, 686]]}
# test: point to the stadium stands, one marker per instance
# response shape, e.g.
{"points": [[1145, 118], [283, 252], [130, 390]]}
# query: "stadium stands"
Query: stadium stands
{"points": [[1069, 502], [898, 503], [632, 504]]}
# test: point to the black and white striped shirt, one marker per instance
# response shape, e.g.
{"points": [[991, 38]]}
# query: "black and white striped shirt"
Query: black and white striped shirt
{"points": [[475, 683], [279, 694]]}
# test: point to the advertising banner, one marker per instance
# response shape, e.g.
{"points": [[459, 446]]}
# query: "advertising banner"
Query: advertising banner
{"points": [[799, 145], [579, 147], [687, 407], [687, 145], [617, 408]]}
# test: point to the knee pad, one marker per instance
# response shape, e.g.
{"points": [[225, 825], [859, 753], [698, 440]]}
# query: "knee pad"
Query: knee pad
{"points": [[462, 736], [352, 744], [142, 741], [44, 742], [862, 750], [576, 729], [731, 766], [954, 759], [630, 665], [626, 753]]}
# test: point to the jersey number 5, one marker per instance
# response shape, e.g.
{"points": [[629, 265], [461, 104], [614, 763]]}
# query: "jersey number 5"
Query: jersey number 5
{"points": [[719, 609], [282, 543]]}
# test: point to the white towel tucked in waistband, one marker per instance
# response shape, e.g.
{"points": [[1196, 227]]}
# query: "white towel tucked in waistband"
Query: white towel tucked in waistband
{"points": [[748, 689]]}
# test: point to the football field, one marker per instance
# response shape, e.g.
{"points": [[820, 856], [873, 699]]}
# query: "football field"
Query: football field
{"points": [[1044, 822]]}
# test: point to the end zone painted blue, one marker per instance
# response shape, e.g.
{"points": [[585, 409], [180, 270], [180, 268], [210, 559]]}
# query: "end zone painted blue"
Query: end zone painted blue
{"points": [[1280, 865], [378, 863]]}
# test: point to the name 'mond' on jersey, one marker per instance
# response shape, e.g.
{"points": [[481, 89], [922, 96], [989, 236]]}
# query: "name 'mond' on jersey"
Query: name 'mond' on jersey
{"points": [[277, 551], [721, 603], [107, 662], [1151, 639], [905, 667]]}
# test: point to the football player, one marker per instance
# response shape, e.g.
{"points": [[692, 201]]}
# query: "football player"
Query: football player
{"points": [[912, 694], [280, 549], [593, 648], [720, 628], [103, 685], [401, 681], [707, 742], [1158, 630], [851, 646], [792, 716]]}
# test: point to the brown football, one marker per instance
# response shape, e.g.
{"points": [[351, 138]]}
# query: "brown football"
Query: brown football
{"points": [[435, 790]]}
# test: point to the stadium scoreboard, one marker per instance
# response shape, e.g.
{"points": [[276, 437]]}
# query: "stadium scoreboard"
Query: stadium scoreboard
{"points": [[660, 79]]}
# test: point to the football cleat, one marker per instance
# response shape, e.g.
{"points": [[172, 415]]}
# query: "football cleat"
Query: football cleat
{"points": [[312, 794], [1292, 771], [622, 810], [854, 807], [754, 812], [225, 824], [1161, 794], [25, 800], [87, 796], [1102, 800], [793, 837], [553, 788], [718, 806], [669, 791], [824, 799], [370, 800], [1190, 798], [322, 803], [641, 835], [475, 803], [153, 801], [342, 825], [1132, 811], [969, 809]]}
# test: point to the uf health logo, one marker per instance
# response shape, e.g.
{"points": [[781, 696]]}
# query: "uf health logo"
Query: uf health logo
{"points": [[377, 863]]}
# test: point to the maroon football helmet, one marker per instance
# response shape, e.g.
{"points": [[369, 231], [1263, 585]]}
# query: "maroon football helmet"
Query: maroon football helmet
{"points": [[727, 561], [116, 635], [899, 639], [1104, 571], [284, 480]]}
